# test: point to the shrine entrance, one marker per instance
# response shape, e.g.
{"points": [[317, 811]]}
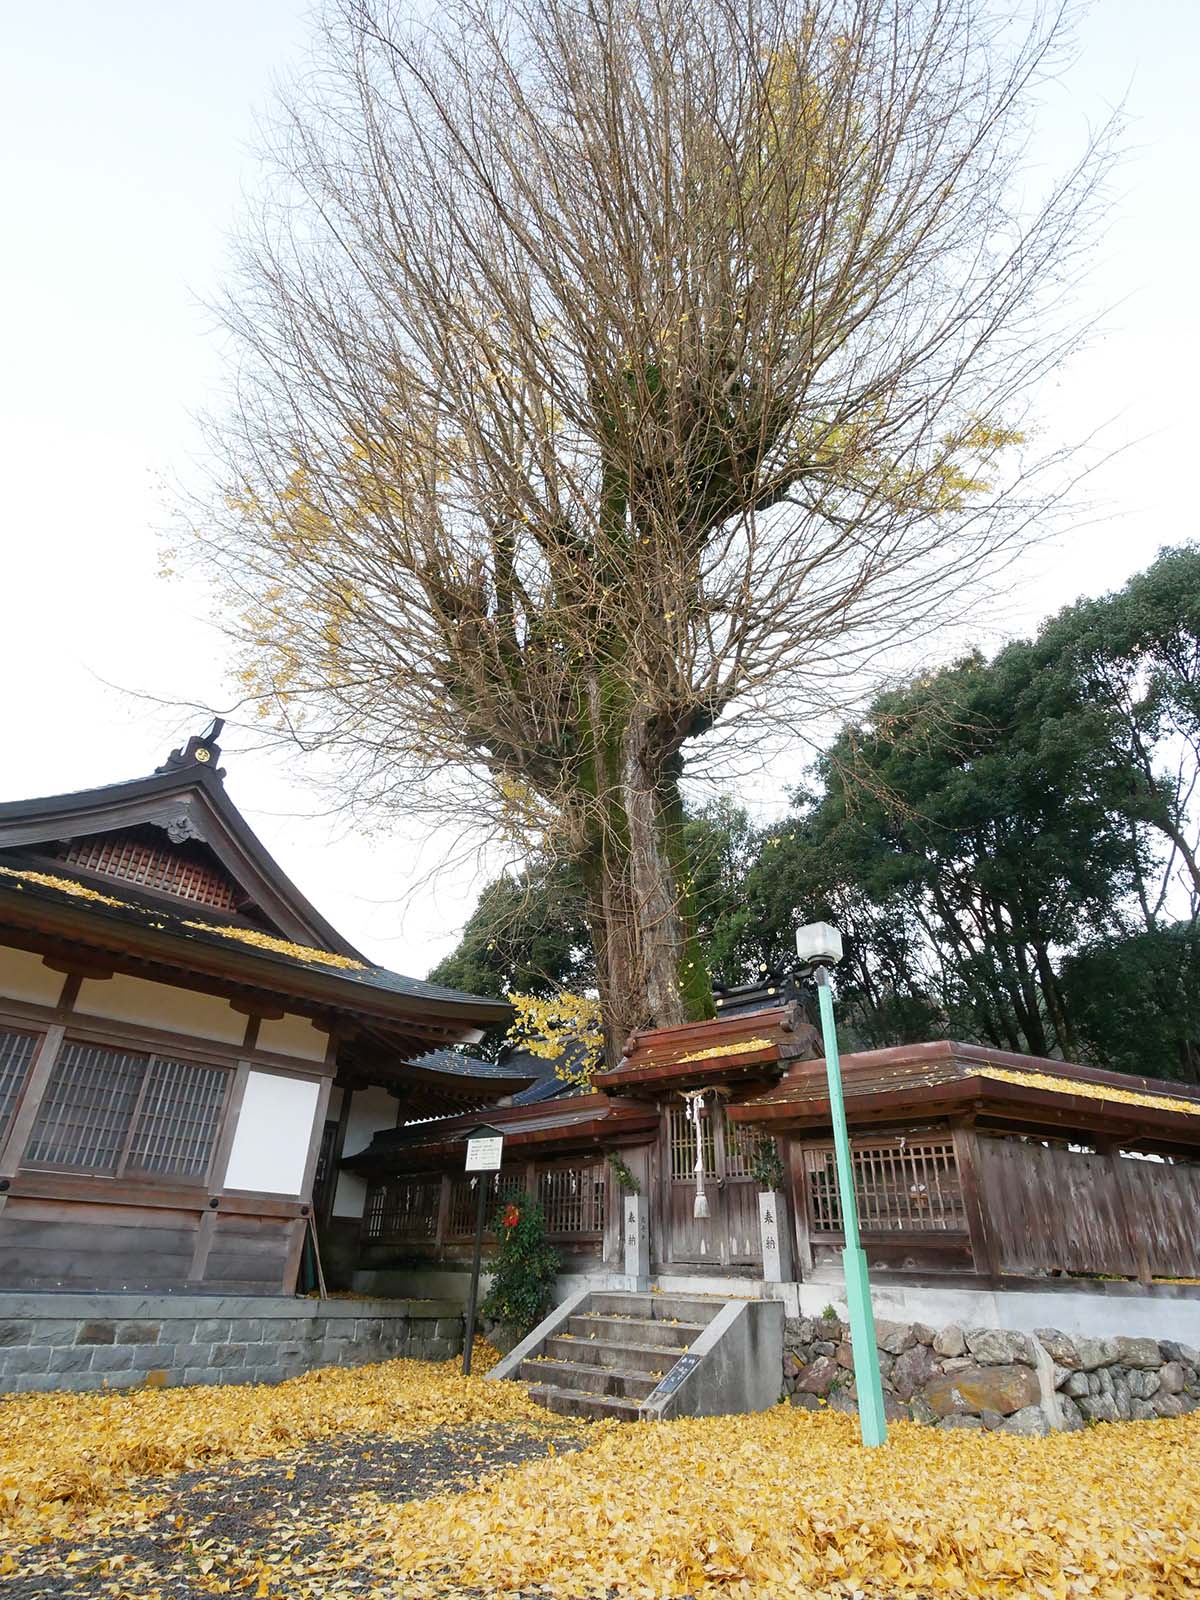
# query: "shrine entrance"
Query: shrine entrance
{"points": [[729, 1236]]}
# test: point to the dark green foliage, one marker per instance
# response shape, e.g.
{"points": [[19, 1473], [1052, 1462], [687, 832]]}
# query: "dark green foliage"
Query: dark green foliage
{"points": [[1136, 1002], [523, 1268]]}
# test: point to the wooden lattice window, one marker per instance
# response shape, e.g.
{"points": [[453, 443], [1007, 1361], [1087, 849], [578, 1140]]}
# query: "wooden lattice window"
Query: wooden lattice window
{"points": [[682, 1134], [739, 1149], [16, 1054], [573, 1200], [500, 1187], [900, 1188], [153, 866], [112, 1111], [402, 1210], [177, 1122]]}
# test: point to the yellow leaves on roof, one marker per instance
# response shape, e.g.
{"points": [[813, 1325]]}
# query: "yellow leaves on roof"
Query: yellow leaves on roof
{"points": [[70, 1459], [714, 1052], [49, 880], [787, 1505], [1090, 1091], [282, 947]]}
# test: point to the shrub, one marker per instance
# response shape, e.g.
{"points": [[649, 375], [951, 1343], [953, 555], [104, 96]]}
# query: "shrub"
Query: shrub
{"points": [[524, 1267]]}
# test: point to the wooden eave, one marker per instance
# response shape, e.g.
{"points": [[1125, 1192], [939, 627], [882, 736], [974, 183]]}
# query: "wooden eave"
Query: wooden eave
{"points": [[595, 1124], [1005, 1107], [53, 928], [720, 1050]]}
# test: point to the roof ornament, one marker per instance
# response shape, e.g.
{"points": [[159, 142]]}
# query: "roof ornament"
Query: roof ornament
{"points": [[201, 750], [181, 828]]}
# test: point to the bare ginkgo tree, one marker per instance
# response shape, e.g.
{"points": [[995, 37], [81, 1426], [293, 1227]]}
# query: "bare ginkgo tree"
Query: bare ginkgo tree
{"points": [[614, 371]]}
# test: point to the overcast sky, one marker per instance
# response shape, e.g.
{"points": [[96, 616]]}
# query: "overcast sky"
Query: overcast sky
{"points": [[128, 132]]}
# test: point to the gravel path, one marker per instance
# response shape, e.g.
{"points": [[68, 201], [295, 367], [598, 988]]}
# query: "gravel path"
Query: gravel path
{"points": [[261, 1526]]}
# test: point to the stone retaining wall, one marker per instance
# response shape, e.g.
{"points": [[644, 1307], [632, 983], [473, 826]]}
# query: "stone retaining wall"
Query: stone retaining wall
{"points": [[992, 1377], [69, 1341]]}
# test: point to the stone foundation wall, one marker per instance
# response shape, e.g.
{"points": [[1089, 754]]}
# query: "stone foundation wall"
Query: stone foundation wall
{"points": [[953, 1377], [68, 1341]]}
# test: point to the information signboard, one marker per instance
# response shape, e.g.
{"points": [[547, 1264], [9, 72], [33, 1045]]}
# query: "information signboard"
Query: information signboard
{"points": [[483, 1154]]}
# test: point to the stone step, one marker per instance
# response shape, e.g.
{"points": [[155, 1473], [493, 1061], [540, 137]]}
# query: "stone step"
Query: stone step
{"points": [[657, 1307], [613, 1354], [578, 1403], [635, 1330], [590, 1378]]}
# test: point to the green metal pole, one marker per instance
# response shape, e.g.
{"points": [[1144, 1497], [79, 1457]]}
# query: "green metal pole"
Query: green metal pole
{"points": [[867, 1380]]}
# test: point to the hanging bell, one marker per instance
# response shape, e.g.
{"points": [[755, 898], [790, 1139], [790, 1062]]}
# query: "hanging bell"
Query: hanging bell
{"points": [[700, 1207]]}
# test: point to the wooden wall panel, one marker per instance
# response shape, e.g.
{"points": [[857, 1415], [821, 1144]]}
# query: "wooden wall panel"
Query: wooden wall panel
{"points": [[1050, 1209], [37, 1253], [1166, 1206], [248, 1254]]}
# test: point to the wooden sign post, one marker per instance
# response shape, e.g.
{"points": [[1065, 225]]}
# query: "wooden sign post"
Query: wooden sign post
{"points": [[485, 1149]]}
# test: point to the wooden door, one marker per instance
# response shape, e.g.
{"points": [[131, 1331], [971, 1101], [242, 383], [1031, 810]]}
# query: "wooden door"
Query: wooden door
{"points": [[729, 1235]]}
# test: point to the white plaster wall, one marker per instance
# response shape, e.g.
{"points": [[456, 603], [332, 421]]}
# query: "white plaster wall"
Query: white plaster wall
{"points": [[370, 1110], [24, 976], [270, 1143], [161, 1005], [293, 1036]]}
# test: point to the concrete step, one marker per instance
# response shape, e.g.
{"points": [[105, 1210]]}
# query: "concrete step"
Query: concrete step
{"points": [[589, 1378], [612, 1353], [657, 1307], [578, 1403], [676, 1334]]}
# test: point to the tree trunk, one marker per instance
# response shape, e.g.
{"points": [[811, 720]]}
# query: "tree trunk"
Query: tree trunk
{"points": [[650, 969]]}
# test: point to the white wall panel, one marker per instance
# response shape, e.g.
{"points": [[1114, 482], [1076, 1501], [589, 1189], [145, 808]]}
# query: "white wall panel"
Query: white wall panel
{"points": [[270, 1143], [293, 1036], [161, 1005], [24, 976], [370, 1110]]}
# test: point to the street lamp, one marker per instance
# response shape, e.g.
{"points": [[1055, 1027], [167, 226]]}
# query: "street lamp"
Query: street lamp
{"points": [[819, 947]]}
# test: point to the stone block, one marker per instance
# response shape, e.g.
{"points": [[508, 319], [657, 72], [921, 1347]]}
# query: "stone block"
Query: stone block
{"points": [[956, 1420], [1059, 1345], [1099, 1408], [71, 1358], [829, 1328], [1143, 1384], [924, 1333], [998, 1347], [249, 1330], [201, 1375], [14, 1333], [96, 1333], [228, 1355], [112, 1358], [806, 1402], [950, 1341], [1091, 1354], [921, 1411], [818, 1377], [992, 1388], [1171, 1350], [1171, 1378], [791, 1367], [957, 1363], [912, 1370], [1104, 1381], [1142, 1411], [1169, 1405], [212, 1330], [138, 1333], [1142, 1353], [992, 1421], [147, 1356], [894, 1337], [1071, 1417], [1059, 1375], [823, 1347], [1030, 1422], [27, 1359], [449, 1327], [56, 1332], [1077, 1385], [1123, 1397], [185, 1355], [844, 1354]]}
